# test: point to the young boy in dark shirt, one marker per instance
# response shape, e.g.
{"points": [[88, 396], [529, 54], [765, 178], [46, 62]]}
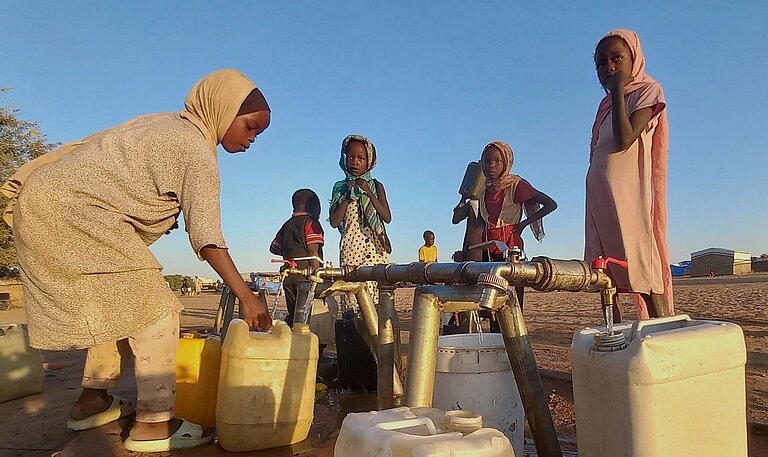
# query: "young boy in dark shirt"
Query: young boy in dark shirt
{"points": [[300, 236]]}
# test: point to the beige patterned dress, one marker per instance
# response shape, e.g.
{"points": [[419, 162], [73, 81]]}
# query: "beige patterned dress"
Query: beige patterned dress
{"points": [[82, 225]]}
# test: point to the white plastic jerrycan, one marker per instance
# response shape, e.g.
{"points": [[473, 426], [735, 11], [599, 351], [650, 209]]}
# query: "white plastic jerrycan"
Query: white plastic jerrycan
{"points": [[419, 432], [675, 387]]}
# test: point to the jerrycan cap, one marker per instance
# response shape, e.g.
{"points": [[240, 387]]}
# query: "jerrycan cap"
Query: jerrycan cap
{"points": [[610, 342], [189, 335], [464, 421], [301, 329]]}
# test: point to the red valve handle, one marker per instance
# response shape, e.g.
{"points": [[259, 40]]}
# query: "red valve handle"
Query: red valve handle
{"points": [[602, 262], [290, 263]]}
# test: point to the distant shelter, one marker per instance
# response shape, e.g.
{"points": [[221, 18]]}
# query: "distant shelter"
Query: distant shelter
{"points": [[720, 261]]}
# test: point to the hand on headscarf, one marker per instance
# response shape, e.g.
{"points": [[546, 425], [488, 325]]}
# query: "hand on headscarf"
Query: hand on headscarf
{"points": [[351, 190], [364, 185]]}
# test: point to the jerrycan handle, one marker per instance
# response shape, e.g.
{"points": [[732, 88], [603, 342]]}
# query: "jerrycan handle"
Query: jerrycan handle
{"points": [[638, 326], [10, 326], [237, 331], [241, 332], [408, 423]]}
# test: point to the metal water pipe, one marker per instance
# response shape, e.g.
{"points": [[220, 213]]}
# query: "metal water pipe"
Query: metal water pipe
{"points": [[493, 280]]}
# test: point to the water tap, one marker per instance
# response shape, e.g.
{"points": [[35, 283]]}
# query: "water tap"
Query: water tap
{"points": [[492, 284], [515, 254], [610, 340]]}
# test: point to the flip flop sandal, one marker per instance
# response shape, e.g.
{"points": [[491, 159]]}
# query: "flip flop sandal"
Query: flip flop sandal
{"points": [[187, 436], [117, 410]]}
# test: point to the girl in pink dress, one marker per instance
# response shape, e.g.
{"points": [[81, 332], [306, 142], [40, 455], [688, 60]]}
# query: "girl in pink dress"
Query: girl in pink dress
{"points": [[626, 194]]}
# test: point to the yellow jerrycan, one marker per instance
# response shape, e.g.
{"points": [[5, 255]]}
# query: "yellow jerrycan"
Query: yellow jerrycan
{"points": [[197, 378], [21, 367], [266, 392]]}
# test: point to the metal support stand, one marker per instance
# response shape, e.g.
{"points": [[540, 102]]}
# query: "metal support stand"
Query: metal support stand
{"points": [[523, 362], [388, 352], [226, 311], [371, 333], [429, 302]]}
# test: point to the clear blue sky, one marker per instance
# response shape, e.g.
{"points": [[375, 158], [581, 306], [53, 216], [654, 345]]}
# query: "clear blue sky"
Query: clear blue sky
{"points": [[430, 83]]}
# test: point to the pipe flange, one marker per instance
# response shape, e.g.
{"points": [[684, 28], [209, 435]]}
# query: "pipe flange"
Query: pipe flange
{"points": [[491, 280]]}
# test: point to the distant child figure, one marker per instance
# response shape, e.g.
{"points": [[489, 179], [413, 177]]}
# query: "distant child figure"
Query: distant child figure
{"points": [[359, 208], [184, 286], [428, 252], [198, 285], [505, 199], [626, 185], [300, 236]]}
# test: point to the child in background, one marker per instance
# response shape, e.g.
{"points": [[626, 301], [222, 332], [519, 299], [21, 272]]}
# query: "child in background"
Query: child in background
{"points": [[505, 199], [626, 198], [428, 252], [359, 208], [300, 236]]}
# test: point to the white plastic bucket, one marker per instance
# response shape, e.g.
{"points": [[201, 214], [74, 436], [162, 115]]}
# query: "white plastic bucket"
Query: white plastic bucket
{"points": [[477, 377]]}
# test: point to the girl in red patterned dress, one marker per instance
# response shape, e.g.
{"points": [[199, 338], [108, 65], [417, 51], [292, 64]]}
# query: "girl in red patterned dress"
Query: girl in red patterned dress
{"points": [[506, 197]]}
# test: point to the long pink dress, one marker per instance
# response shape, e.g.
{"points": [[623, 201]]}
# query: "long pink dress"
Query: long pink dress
{"points": [[626, 213], [619, 196]]}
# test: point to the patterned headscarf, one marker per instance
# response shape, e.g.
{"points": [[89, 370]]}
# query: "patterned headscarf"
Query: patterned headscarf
{"points": [[369, 215], [508, 179], [659, 156], [508, 159]]}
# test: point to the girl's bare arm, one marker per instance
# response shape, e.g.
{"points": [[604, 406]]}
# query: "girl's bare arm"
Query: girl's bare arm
{"points": [[460, 212], [379, 202], [338, 212], [254, 311], [626, 128], [383, 205], [547, 206]]}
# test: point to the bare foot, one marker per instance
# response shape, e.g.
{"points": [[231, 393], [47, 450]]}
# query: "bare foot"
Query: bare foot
{"points": [[91, 401], [144, 431]]}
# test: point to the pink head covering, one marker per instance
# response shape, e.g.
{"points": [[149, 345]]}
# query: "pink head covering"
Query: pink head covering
{"points": [[640, 77], [659, 154]]}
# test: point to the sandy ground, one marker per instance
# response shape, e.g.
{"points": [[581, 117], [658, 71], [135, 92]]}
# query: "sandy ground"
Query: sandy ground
{"points": [[35, 425]]}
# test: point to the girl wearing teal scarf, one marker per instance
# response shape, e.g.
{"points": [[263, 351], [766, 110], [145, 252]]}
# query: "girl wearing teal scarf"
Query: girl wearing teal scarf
{"points": [[359, 207]]}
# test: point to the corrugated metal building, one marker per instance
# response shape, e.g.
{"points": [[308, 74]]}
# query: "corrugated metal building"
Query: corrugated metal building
{"points": [[759, 264], [719, 261]]}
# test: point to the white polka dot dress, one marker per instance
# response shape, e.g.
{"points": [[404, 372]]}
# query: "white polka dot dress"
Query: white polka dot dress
{"points": [[359, 245]]}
